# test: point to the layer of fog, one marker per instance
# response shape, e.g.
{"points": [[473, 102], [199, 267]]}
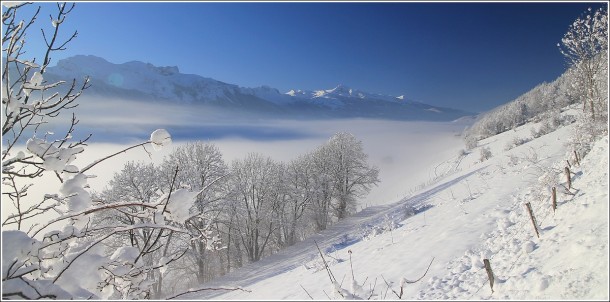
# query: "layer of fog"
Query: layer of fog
{"points": [[405, 152]]}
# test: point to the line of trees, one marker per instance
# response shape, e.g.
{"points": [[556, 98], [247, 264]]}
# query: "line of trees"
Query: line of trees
{"points": [[253, 207]]}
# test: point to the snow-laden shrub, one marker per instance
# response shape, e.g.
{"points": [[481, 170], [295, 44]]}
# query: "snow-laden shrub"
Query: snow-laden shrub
{"points": [[515, 142], [513, 160], [484, 154], [471, 142], [585, 134]]}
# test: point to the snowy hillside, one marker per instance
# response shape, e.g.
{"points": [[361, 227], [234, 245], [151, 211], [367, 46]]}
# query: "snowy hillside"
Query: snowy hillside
{"points": [[540, 102], [474, 211], [144, 81]]}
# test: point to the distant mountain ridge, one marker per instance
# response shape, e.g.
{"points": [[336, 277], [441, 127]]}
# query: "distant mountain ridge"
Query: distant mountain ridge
{"points": [[143, 81]]}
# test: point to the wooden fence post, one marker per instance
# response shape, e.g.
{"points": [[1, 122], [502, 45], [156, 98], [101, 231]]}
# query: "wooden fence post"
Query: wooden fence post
{"points": [[490, 274], [554, 198], [569, 179], [529, 209], [577, 158]]}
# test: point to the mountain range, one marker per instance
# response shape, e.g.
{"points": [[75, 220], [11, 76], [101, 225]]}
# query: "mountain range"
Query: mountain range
{"points": [[137, 80]]}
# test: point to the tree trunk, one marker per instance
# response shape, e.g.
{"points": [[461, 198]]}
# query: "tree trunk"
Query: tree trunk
{"points": [[239, 260], [200, 263]]}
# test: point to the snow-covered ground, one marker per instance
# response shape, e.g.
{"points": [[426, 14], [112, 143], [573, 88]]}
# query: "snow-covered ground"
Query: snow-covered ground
{"points": [[475, 211]]}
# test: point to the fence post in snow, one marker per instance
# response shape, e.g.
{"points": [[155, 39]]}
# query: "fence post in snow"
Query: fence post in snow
{"points": [[529, 210], [569, 179], [554, 198], [577, 158], [490, 274]]}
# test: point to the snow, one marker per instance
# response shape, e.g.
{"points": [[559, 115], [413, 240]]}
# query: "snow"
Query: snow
{"points": [[125, 254], [81, 280], [36, 79], [461, 219], [297, 92], [54, 159], [163, 264], [9, 4], [179, 205], [73, 189], [160, 138], [37, 146], [269, 94], [13, 261]]}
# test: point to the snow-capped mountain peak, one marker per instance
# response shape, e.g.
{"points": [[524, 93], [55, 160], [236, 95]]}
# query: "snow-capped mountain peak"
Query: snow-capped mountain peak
{"points": [[340, 89], [297, 92]]}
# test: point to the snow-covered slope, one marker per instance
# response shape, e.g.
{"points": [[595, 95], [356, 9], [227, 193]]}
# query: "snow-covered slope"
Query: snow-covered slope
{"points": [[474, 211], [144, 81]]}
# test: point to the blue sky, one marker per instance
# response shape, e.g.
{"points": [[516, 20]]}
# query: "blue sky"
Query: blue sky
{"points": [[471, 56]]}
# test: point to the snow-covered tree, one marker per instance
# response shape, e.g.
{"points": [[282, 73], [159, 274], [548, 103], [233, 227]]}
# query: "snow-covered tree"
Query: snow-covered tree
{"points": [[585, 46], [137, 183], [256, 199], [323, 188], [202, 169], [300, 190], [351, 175]]}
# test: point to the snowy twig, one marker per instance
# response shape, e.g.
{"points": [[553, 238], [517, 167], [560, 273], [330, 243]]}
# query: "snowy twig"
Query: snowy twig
{"points": [[332, 278], [306, 292], [207, 288], [390, 288], [327, 296], [171, 188], [372, 290], [112, 155], [350, 263], [114, 232], [404, 281], [410, 282], [94, 209]]}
